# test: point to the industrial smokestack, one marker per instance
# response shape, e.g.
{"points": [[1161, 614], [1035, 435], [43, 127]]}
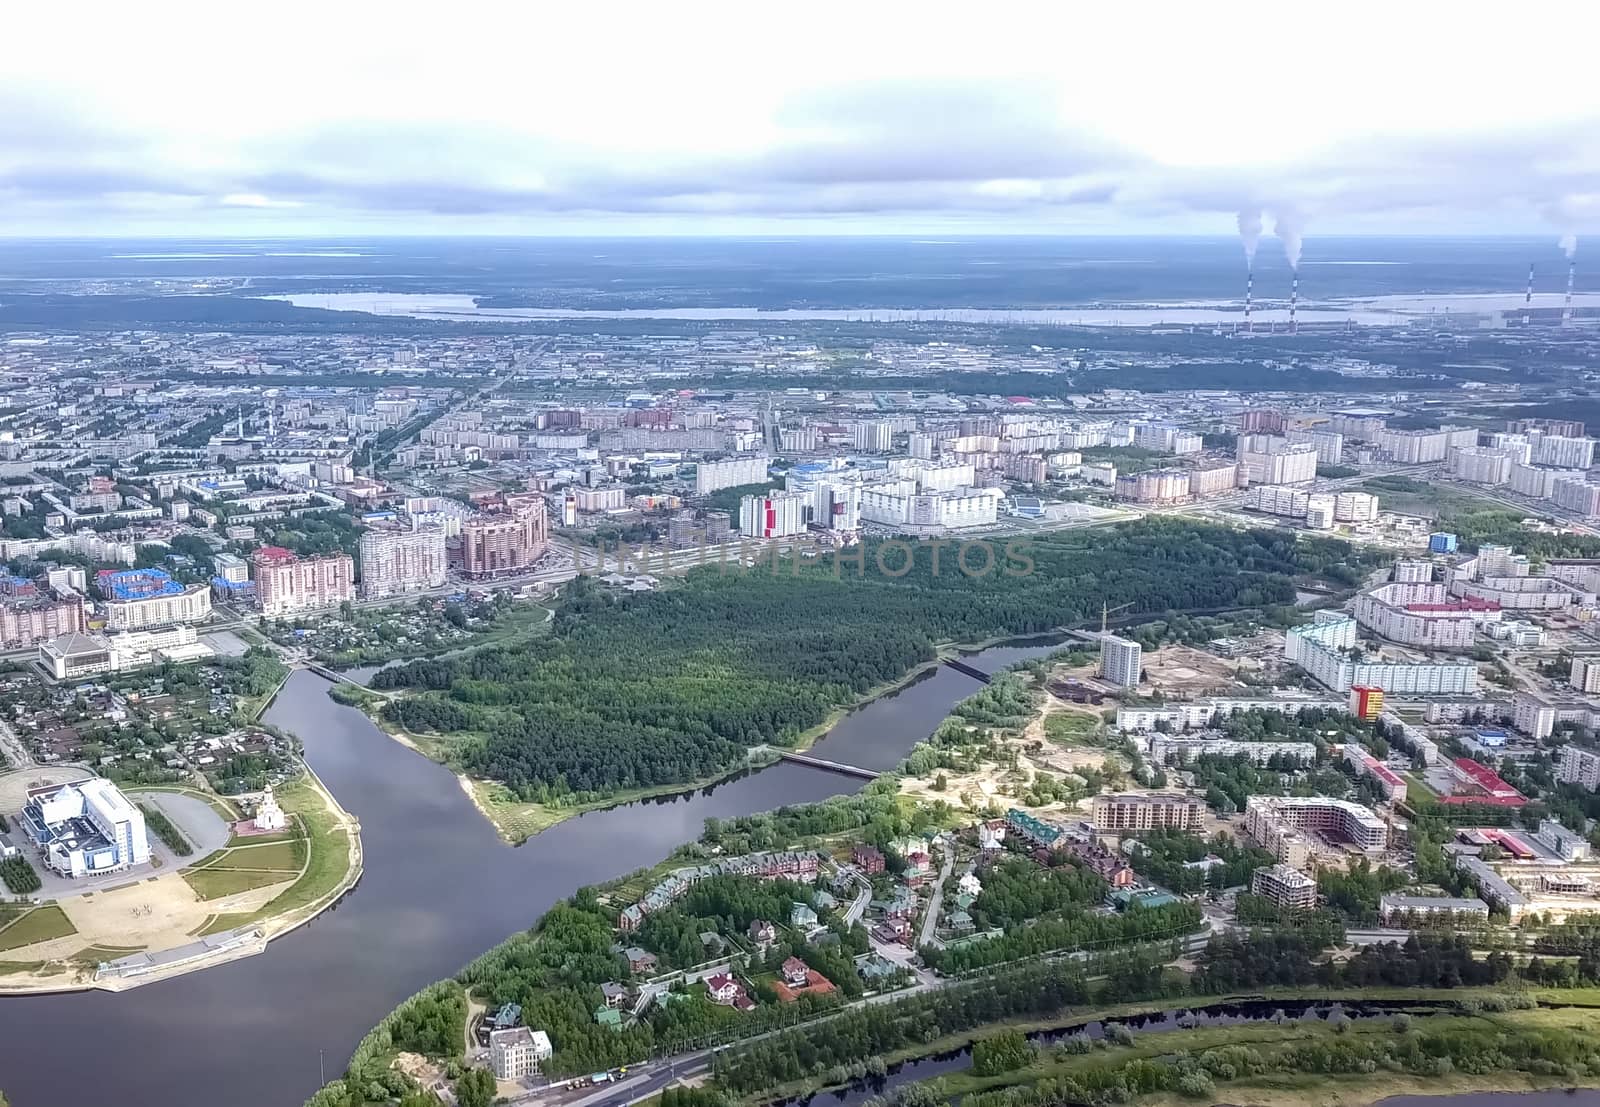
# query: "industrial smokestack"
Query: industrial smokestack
{"points": [[1294, 300], [1249, 292], [1527, 300], [1572, 273]]}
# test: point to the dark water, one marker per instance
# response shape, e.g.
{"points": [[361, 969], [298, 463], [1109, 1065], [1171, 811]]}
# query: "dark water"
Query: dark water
{"points": [[439, 888], [1570, 1097]]}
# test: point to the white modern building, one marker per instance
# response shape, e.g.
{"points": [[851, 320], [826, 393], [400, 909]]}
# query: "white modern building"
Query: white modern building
{"points": [[1324, 650], [1584, 675], [1422, 614], [1576, 495], [1534, 715], [518, 1052], [1120, 661], [1285, 886], [1179, 717], [902, 507], [775, 515], [395, 561], [1480, 464], [874, 437], [713, 476], [1562, 452], [1578, 766], [72, 656], [86, 829], [1329, 444]]}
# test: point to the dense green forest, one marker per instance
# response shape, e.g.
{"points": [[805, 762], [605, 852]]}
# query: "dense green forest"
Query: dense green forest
{"points": [[675, 685]]}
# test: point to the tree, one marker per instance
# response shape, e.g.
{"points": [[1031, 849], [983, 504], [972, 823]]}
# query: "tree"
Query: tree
{"points": [[476, 1088], [1005, 1052]]}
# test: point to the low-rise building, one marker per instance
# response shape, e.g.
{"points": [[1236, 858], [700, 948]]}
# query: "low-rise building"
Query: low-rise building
{"points": [[1396, 908], [1285, 886], [1138, 811], [518, 1052]]}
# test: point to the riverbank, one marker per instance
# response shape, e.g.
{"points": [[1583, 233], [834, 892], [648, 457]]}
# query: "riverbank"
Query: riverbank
{"points": [[1311, 1058], [188, 931], [516, 820]]}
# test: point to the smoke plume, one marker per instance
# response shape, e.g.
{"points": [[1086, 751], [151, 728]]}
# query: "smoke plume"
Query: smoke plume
{"points": [[1250, 234], [1289, 230], [1569, 244]]}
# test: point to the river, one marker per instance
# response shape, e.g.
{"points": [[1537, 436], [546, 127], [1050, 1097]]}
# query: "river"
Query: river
{"points": [[439, 888]]}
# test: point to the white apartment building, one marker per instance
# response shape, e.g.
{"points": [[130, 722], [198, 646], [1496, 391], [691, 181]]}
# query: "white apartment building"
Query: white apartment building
{"points": [[1200, 713], [1421, 613], [191, 605], [1270, 459], [1578, 766], [1533, 715], [1562, 452], [1329, 444], [1322, 650], [395, 561], [875, 438], [1480, 465], [1415, 447], [1539, 481], [1585, 673], [1355, 507], [1516, 445], [713, 476], [1165, 750], [1120, 661], [898, 504], [1138, 811], [1576, 495], [775, 515]]}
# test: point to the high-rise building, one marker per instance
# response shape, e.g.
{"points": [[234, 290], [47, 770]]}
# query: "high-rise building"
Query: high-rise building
{"points": [[1263, 420], [1366, 703], [30, 620], [1480, 464], [1329, 443], [286, 583], [395, 561], [1585, 673], [774, 515], [1120, 661], [1414, 447], [1268, 459], [1578, 766], [144, 599], [494, 545], [1576, 495], [1563, 452], [874, 437], [713, 476]]}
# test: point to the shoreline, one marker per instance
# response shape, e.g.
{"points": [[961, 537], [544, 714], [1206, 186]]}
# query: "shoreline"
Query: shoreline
{"points": [[546, 816], [266, 931]]}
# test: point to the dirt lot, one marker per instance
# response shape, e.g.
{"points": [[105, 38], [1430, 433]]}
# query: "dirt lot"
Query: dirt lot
{"points": [[1186, 671]]}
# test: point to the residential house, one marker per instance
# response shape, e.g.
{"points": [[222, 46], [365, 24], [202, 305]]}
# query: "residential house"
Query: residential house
{"points": [[795, 972], [639, 960], [869, 859], [614, 994], [763, 933], [801, 915]]}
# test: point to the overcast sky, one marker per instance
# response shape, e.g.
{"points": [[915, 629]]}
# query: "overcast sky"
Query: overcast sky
{"points": [[1055, 117]]}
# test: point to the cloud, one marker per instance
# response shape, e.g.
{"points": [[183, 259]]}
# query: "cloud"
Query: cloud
{"points": [[973, 149]]}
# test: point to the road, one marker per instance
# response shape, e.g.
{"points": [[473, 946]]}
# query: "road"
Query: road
{"points": [[930, 921], [15, 754]]}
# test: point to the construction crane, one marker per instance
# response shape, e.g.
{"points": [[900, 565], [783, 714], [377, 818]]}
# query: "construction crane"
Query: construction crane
{"points": [[1107, 612]]}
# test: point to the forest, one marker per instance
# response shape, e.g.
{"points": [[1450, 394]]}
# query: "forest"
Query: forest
{"points": [[1164, 857], [673, 686]]}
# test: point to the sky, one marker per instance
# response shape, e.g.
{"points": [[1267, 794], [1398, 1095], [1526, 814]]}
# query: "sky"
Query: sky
{"points": [[847, 118]]}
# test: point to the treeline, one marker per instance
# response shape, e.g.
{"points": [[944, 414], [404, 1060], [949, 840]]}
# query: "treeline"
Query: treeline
{"points": [[827, 1049], [1283, 959], [1401, 1045], [165, 830], [675, 685], [1076, 932]]}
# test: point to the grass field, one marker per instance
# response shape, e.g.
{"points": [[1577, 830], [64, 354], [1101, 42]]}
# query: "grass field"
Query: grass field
{"points": [[1071, 728], [216, 883], [282, 856], [39, 925], [327, 865]]}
